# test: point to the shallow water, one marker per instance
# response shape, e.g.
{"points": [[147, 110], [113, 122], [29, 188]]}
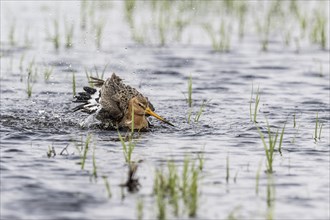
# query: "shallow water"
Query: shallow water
{"points": [[34, 186]]}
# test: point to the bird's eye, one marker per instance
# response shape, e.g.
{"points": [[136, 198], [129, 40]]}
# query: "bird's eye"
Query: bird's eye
{"points": [[141, 105]]}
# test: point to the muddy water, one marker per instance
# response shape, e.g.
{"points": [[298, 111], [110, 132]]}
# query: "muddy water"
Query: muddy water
{"points": [[291, 84]]}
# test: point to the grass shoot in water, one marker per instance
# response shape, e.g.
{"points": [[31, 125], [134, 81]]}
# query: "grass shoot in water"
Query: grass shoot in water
{"points": [[87, 142], [193, 192], [201, 109], [11, 34], [161, 205], [171, 190], [316, 125], [47, 73], [189, 115], [94, 174], [128, 148], [139, 207], [258, 177], [83, 14], [161, 25], [73, 84], [184, 178], [129, 12], [256, 104], [293, 140], [200, 157], [227, 169], [257, 100], [27, 40], [220, 39], [173, 186], [98, 33], [270, 147], [107, 186], [281, 140], [232, 214], [51, 152], [189, 100], [68, 35], [190, 103], [29, 78], [88, 76], [21, 62], [235, 177], [319, 29], [318, 128], [29, 86], [56, 38], [160, 187], [270, 198], [103, 71], [251, 103]]}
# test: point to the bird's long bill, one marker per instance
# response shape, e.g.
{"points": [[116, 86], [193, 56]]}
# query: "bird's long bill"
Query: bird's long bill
{"points": [[150, 112]]}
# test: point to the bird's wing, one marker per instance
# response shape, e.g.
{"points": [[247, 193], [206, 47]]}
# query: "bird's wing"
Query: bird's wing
{"points": [[110, 103], [90, 100]]}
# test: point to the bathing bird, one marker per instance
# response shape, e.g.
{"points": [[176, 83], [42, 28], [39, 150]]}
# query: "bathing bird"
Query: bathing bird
{"points": [[116, 105]]}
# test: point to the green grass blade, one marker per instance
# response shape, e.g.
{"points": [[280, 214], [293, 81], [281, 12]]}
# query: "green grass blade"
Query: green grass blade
{"points": [[281, 139], [227, 169], [107, 186], [251, 102], [124, 146], [320, 131], [190, 91], [73, 84], [258, 177], [256, 106], [87, 141], [316, 125]]}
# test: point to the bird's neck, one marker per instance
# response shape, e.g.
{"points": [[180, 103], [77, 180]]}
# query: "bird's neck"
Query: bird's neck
{"points": [[140, 121]]}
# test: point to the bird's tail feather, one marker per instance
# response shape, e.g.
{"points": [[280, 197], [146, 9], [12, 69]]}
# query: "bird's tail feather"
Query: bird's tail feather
{"points": [[96, 81], [89, 99]]}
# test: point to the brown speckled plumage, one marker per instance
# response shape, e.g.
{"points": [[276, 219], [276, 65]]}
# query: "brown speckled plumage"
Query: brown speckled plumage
{"points": [[112, 105]]}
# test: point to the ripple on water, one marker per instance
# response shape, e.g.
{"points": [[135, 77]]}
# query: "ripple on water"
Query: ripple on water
{"points": [[168, 72], [270, 68], [13, 150]]}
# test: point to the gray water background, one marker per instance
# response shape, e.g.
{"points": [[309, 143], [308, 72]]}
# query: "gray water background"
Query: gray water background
{"points": [[291, 82]]}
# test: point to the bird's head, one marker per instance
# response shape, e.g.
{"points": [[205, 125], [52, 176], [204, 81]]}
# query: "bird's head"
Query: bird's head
{"points": [[141, 108]]}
